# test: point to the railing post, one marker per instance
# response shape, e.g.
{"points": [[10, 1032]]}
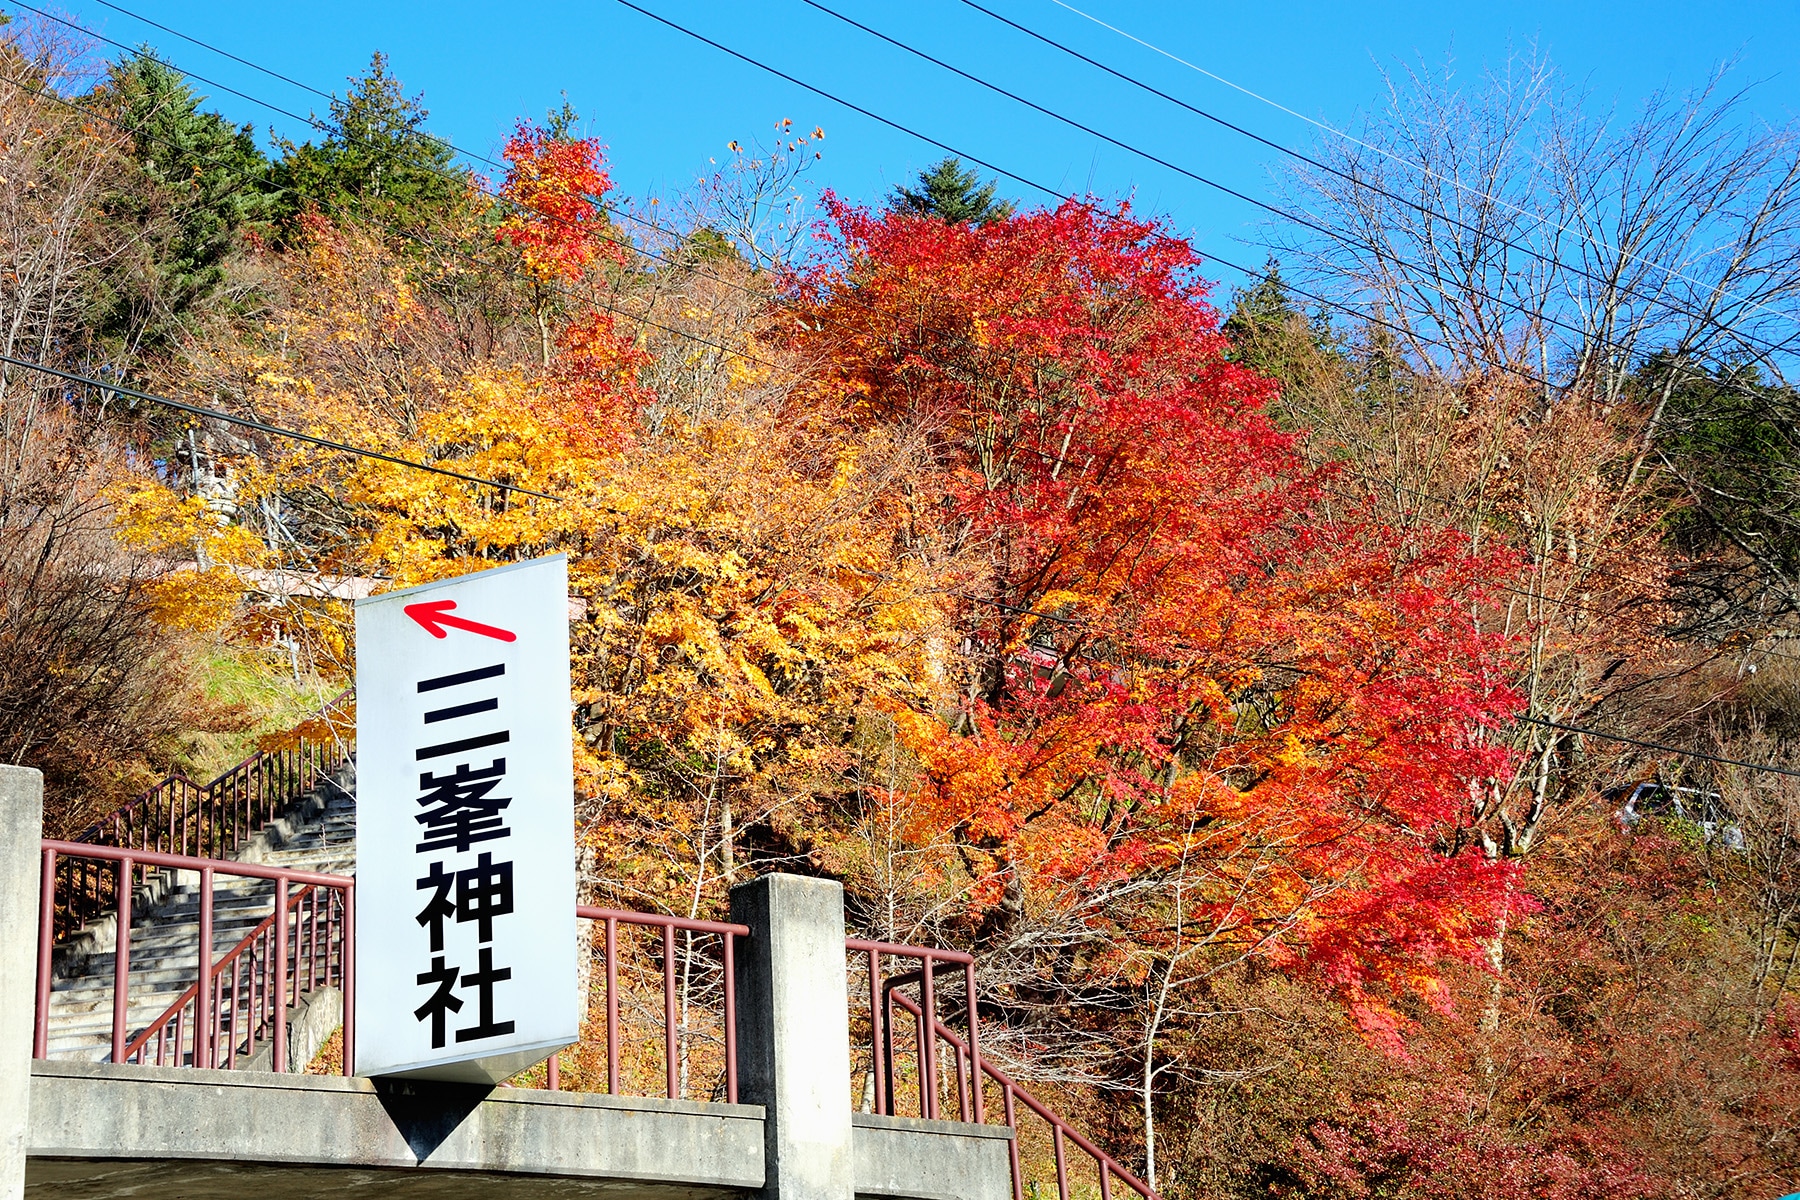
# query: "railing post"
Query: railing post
{"points": [[203, 991], [276, 990], [122, 895], [612, 1006], [794, 1033], [974, 1043], [21, 832], [46, 946], [347, 965]]}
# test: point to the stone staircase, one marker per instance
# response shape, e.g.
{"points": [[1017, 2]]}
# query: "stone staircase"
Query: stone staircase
{"points": [[318, 833]]}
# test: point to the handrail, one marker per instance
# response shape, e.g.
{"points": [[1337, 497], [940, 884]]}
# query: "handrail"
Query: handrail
{"points": [[96, 829], [230, 957], [264, 992], [183, 816], [185, 862], [892, 948], [1109, 1166], [728, 934], [880, 1018], [588, 912], [213, 1007]]}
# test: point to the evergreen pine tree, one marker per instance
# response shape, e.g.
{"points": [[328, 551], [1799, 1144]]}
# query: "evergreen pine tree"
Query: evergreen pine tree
{"points": [[197, 182], [377, 163], [951, 194]]}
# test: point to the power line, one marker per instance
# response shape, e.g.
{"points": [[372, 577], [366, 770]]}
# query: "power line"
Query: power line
{"points": [[264, 427], [1405, 162], [327, 127], [564, 291], [1618, 737], [1002, 170], [1274, 210], [1581, 729], [1047, 190], [821, 7], [1349, 178], [274, 430], [1402, 331]]}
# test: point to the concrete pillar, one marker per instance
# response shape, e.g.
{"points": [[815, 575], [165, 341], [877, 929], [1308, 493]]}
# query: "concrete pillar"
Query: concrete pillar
{"points": [[21, 826], [794, 1033]]}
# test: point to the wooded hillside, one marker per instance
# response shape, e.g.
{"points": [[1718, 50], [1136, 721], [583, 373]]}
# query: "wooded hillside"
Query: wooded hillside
{"points": [[1354, 719]]}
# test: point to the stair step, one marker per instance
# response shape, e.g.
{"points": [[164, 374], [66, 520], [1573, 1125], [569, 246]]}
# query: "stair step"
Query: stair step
{"points": [[165, 937]]}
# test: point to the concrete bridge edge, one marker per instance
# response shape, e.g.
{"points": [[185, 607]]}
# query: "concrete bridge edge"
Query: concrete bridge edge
{"points": [[21, 827]]}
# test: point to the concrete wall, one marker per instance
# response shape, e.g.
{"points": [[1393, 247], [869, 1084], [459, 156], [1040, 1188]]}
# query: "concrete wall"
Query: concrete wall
{"points": [[106, 1132], [21, 827], [100, 1130], [931, 1160]]}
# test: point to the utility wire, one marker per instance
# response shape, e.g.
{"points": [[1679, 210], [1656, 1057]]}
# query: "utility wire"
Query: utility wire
{"points": [[1748, 339], [218, 414], [1406, 162], [328, 128], [1410, 334], [1530, 720], [564, 291], [358, 451], [1272, 209], [1667, 749], [1029, 182]]}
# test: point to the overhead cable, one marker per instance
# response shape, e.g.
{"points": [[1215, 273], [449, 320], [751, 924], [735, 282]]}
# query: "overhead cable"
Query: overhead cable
{"points": [[218, 414], [1406, 162], [1363, 184], [1667, 749], [1272, 209]]}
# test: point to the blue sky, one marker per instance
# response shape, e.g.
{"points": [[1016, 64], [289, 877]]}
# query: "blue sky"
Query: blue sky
{"points": [[665, 104]]}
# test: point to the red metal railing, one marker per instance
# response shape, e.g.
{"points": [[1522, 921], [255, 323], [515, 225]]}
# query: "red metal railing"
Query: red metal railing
{"points": [[883, 996], [216, 1019], [244, 1009], [237, 1003], [676, 965], [932, 1036], [183, 817]]}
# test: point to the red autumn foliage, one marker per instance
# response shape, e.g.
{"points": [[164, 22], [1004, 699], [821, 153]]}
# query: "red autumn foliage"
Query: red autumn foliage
{"points": [[1175, 658], [554, 186]]}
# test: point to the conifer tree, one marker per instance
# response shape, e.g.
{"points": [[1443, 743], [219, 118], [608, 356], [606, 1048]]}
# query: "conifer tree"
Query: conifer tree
{"points": [[197, 182], [951, 194], [377, 162]]}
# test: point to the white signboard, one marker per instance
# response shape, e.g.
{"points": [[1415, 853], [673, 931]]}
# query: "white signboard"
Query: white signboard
{"points": [[465, 827]]}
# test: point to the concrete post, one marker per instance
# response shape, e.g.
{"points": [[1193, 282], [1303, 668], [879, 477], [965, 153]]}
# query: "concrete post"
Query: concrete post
{"points": [[21, 826], [794, 1033]]}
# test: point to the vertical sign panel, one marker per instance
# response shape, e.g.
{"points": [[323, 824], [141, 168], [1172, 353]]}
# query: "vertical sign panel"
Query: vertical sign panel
{"points": [[465, 827]]}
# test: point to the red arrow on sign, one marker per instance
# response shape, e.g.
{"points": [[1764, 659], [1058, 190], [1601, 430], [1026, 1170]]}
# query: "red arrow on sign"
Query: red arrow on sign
{"points": [[436, 620]]}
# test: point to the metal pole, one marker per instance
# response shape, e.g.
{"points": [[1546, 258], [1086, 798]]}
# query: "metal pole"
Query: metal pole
{"points": [[876, 1026], [278, 995], [974, 1043], [121, 957], [1012, 1145], [612, 1006], [669, 1053], [731, 1081], [347, 960], [40, 1036], [203, 994], [928, 1041]]}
